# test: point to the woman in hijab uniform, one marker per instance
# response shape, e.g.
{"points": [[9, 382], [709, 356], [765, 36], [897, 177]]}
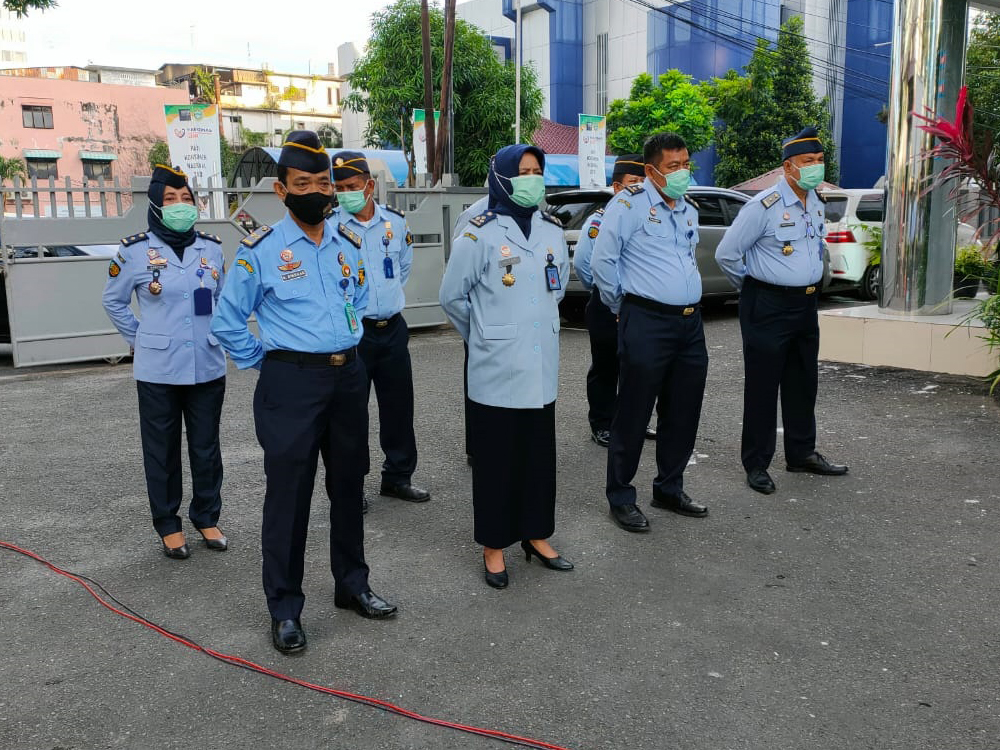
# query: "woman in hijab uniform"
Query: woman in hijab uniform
{"points": [[501, 290], [176, 274]]}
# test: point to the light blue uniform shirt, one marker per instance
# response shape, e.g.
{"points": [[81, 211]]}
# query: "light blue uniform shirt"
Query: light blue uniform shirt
{"points": [[172, 345], [477, 208], [385, 296], [584, 251], [769, 223], [647, 249], [298, 299], [512, 330]]}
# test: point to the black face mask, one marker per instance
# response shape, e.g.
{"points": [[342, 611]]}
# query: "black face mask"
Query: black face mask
{"points": [[309, 208]]}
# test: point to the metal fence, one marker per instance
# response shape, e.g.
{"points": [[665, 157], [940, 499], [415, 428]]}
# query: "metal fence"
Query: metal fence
{"points": [[55, 240]]}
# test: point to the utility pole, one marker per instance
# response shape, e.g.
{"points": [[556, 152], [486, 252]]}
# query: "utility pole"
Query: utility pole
{"points": [[517, 75], [445, 134], [425, 33]]}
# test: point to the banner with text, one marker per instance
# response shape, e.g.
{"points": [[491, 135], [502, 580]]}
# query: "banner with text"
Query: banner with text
{"points": [[193, 139], [420, 139], [590, 149]]}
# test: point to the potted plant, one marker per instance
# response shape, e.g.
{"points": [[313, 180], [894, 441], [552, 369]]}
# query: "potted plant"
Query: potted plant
{"points": [[969, 269], [992, 274]]}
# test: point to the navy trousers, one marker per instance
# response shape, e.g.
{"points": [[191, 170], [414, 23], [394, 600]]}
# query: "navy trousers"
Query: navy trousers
{"points": [[302, 412], [161, 409], [780, 352], [663, 359], [602, 377], [386, 356]]}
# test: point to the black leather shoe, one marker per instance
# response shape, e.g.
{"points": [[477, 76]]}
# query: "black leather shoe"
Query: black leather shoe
{"points": [[496, 580], [552, 563], [601, 437], [177, 553], [367, 604], [405, 492], [680, 503], [650, 433], [287, 635], [629, 517], [817, 464], [760, 481], [219, 545]]}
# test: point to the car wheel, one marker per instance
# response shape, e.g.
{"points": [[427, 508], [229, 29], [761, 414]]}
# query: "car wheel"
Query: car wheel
{"points": [[870, 282]]}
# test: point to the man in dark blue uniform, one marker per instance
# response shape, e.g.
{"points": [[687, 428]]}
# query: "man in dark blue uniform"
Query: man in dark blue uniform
{"points": [[387, 248], [644, 267], [773, 253], [304, 280]]}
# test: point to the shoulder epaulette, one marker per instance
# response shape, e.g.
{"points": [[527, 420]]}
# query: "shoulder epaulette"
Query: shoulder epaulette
{"points": [[692, 201], [349, 235], [635, 189], [771, 199], [206, 236], [549, 217], [132, 239], [252, 239], [394, 210], [599, 211], [483, 219]]}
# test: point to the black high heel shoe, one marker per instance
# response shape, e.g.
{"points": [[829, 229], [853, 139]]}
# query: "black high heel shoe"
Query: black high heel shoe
{"points": [[219, 545], [496, 580], [176, 553], [552, 563]]}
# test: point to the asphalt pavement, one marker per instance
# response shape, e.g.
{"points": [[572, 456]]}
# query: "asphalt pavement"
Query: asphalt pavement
{"points": [[853, 612]]}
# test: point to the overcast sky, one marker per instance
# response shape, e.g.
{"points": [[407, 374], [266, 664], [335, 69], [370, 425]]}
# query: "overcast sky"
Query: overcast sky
{"points": [[289, 37]]}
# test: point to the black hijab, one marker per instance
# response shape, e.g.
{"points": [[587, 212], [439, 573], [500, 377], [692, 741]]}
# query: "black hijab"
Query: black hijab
{"points": [[503, 167], [164, 177]]}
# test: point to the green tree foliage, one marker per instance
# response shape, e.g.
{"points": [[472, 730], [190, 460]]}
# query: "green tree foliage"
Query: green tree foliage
{"points": [[672, 105], [205, 83], [387, 84], [773, 101], [253, 138], [229, 158], [21, 7], [330, 136], [982, 75], [11, 168], [158, 154]]}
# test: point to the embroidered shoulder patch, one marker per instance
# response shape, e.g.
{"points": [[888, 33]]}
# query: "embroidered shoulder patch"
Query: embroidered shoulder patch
{"points": [[349, 235], [771, 199], [625, 202], [470, 235], [254, 238], [114, 269], [592, 232], [131, 240], [211, 237], [483, 219], [244, 264], [394, 210], [409, 237], [120, 257], [635, 189]]}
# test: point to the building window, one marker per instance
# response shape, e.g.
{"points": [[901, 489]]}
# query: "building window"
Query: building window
{"points": [[36, 117], [96, 170], [42, 168], [602, 74], [329, 96]]}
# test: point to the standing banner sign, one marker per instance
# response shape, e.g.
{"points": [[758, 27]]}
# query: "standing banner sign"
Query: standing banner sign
{"points": [[193, 139], [420, 139], [591, 149]]}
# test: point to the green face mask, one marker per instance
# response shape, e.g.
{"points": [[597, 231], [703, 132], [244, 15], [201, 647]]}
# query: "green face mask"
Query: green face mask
{"points": [[810, 177], [353, 201], [528, 190], [677, 182], [179, 216]]}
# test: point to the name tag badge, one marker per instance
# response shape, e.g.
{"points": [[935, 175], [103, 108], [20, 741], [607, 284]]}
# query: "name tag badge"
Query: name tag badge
{"points": [[300, 274], [504, 262], [387, 267], [352, 317], [552, 278], [202, 301]]}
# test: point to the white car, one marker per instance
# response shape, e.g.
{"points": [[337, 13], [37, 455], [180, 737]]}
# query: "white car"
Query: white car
{"points": [[851, 214]]}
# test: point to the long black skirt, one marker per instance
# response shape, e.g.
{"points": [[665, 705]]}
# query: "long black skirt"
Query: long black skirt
{"points": [[513, 473]]}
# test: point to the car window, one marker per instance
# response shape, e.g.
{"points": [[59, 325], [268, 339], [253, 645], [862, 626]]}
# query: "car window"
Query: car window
{"points": [[572, 215], [836, 207], [732, 208], [871, 208], [710, 211]]}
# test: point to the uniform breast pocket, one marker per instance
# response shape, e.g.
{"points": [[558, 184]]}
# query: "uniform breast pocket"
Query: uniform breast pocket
{"points": [[153, 341], [655, 227], [789, 234], [292, 289], [495, 333]]}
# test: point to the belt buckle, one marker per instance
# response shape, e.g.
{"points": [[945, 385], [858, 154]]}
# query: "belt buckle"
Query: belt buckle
{"points": [[688, 311], [381, 323], [336, 360], [810, 289]]}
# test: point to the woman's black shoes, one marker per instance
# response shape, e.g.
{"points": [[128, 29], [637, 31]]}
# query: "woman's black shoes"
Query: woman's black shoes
{"points": [[219, 545], [496, 580], [177, 553], [552, 563]]}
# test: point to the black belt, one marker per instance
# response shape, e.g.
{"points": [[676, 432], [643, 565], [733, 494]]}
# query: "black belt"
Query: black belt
{"points": [[376, 323], [659, 307], [796, 290], [335, 359]]}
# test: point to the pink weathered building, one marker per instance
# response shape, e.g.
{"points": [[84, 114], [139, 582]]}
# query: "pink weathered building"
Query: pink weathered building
{"points": [[81, 130]]}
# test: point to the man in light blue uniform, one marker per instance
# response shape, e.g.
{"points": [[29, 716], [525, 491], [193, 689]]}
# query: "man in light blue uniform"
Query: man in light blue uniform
{"points": [[387, 248], [477, 208], [303, 278], [773, 253], [644, 267], [602, 324]]}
